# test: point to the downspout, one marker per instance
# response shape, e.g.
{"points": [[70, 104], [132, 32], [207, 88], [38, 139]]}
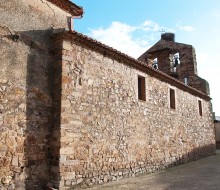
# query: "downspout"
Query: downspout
{"points": [[70, 21]]}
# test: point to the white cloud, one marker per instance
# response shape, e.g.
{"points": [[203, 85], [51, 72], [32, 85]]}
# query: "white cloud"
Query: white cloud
{"points": [[150, 26], [119, 35], [216, 14], [132, 40], [186, 28], [202, 58], [208, 68]]}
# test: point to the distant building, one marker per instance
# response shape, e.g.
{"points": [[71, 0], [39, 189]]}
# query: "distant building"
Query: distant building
{"points": [[217, 131]]}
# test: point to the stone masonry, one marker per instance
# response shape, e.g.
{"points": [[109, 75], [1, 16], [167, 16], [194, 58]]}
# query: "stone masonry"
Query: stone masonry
{"points": [[26, 27], [70, 114], [106, 133]]}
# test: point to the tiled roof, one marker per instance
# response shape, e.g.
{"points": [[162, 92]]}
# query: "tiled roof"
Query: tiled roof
{"points": [[68, 6], [125, 59]]}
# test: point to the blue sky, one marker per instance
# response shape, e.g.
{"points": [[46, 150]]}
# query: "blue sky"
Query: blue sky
{"points": [[132, 26]]}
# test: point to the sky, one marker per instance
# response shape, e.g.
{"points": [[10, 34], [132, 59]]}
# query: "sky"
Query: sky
{"points": [[133, 26]]}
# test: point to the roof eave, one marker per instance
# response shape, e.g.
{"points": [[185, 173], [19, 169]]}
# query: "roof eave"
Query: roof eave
{"points": [[69, 7]]}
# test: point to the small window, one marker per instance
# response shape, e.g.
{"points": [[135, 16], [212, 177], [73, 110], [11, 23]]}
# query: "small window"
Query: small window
{"points": [[141, 88], [172, 99], [200, 107], [186, 81]]}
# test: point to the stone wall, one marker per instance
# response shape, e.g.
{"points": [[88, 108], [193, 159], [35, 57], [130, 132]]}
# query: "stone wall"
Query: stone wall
{"points": [[25, 91], [106, 133]]}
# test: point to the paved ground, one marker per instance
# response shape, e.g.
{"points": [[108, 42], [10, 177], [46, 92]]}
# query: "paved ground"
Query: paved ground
{"points": [[203, 174]]}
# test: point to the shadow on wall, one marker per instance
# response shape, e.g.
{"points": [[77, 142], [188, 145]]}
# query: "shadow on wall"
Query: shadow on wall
{"points": [[195, 175], [192, 176], [34, 160], [195, 154], [39, 140], [55, 142], [27, 113]]}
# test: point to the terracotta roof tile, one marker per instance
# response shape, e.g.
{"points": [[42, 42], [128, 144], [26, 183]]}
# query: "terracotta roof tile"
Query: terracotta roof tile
{"points": [[68, 6], [115, 54]]}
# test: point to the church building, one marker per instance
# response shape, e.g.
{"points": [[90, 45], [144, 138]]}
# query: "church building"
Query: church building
{"points": [[76, 112]]}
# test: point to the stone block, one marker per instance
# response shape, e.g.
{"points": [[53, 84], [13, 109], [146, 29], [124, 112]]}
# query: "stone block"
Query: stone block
{"points": [[71, 163], [14, 161], [6, 180], [67, 150], [67, 58], [79, 123], [79, 181], [69, 175], [67, 46], [66, 80]]}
